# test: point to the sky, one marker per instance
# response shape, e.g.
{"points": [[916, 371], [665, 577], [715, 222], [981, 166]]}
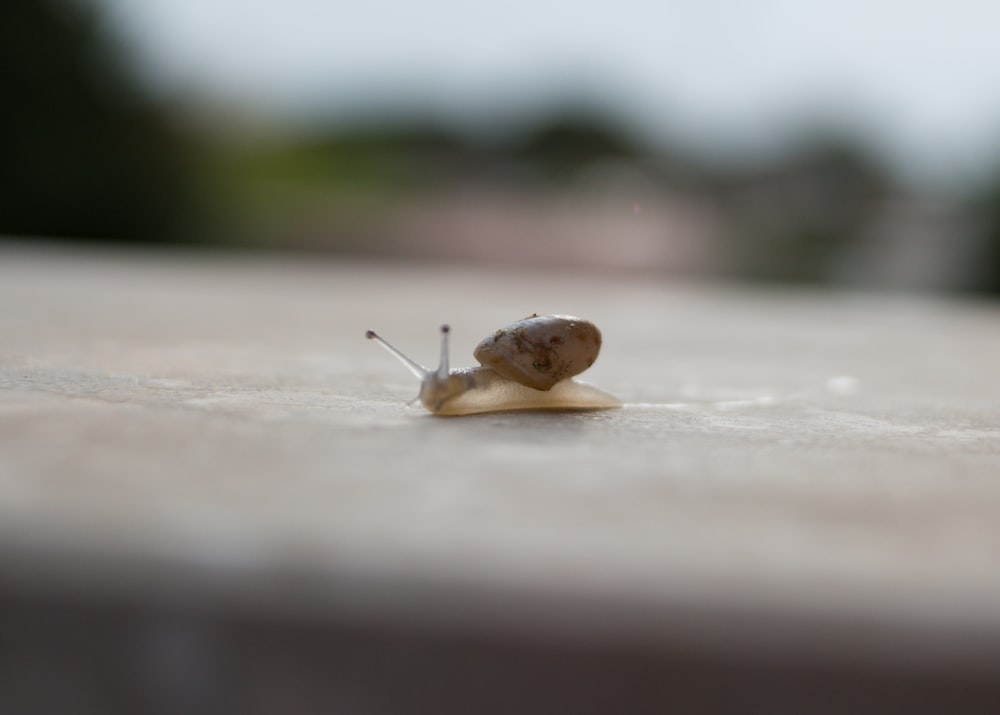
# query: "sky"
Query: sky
{"points": [[921, 79]]}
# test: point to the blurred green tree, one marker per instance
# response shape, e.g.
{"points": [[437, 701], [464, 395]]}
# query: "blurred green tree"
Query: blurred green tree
{"points": [[797, 220], [570, 142], [85, 154], [985, 212]]}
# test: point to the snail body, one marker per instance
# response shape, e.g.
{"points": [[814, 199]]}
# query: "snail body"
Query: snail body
{"points": [[529, 365]]}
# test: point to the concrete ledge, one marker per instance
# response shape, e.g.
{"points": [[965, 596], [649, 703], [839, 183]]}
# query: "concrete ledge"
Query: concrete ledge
{"points": [[213, 497]]}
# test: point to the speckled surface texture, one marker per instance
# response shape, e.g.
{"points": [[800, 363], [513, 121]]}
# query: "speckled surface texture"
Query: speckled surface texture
{"points": [[793, 472]]}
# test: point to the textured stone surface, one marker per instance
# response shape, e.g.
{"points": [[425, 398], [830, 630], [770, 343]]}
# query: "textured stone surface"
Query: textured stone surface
{"points": [[793, 472]]}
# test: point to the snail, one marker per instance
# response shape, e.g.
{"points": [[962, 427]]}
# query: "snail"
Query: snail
{"points": [[528, 365]]}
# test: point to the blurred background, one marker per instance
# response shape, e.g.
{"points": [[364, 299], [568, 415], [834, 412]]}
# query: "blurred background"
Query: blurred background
{"points": [[850, 143]]}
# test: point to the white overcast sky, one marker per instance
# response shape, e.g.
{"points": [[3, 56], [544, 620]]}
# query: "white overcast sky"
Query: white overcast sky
{"points": [[922, 75]]}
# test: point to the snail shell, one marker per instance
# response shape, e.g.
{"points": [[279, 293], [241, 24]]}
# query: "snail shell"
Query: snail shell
{"points": [[541, 350], [526, 366]]}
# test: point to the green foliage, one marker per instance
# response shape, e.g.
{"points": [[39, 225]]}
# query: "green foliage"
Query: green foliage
{"points": [[566, 145], [84, 154], [985, 210], [796, 220]]}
